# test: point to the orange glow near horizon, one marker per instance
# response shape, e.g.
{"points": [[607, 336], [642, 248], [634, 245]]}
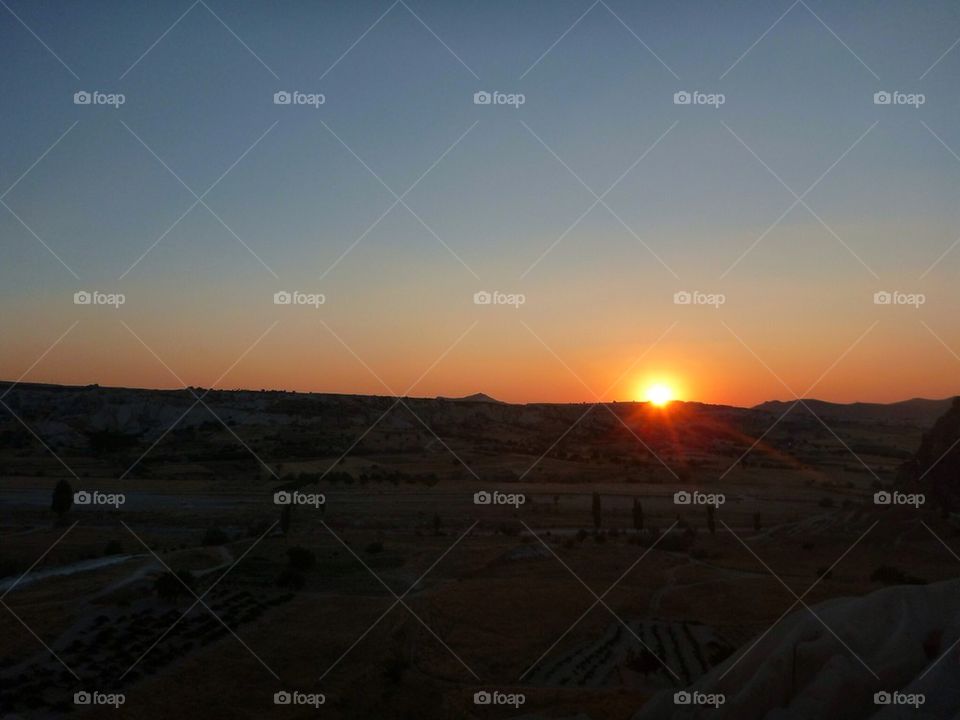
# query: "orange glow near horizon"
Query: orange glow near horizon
{"points": [[504, 362]]}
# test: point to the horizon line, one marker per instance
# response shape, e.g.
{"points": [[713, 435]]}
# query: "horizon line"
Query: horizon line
{"points": [[481, 396]]}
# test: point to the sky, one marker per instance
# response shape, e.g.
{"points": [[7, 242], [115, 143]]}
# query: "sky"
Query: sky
{"points": [[779, 209]]}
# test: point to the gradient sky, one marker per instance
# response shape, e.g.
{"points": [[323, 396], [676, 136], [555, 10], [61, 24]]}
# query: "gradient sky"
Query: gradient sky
{"points": [[799, 304]]}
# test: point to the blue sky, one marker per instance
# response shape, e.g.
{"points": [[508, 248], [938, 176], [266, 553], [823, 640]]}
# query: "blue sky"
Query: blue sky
{"points": [[304, 185]]}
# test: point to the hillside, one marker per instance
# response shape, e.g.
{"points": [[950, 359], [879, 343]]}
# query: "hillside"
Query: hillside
{"points": [[920, 412]]}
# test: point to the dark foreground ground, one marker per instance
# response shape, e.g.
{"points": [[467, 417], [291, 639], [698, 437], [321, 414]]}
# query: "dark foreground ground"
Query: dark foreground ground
{"points": [[386, 588]]}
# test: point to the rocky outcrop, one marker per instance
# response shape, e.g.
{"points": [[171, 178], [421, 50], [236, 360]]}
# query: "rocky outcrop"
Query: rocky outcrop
{"points": [[907, 635], [935, 469]]}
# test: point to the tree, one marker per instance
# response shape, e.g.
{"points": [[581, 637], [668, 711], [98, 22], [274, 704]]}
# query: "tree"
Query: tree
{"points": [[637, 514], [597, 512], [711, 523], [62, 499]]}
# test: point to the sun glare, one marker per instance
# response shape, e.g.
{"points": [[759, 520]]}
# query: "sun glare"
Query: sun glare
{"points": [[659, 394]]}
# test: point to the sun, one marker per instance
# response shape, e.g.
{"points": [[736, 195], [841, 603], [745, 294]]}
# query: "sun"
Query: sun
{"points": [[659, 394]]}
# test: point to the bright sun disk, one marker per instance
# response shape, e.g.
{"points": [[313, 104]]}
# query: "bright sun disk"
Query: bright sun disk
{"points": [[659, 395]]}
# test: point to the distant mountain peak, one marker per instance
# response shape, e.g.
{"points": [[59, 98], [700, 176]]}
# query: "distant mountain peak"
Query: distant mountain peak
{"points": [[476, 397]]}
